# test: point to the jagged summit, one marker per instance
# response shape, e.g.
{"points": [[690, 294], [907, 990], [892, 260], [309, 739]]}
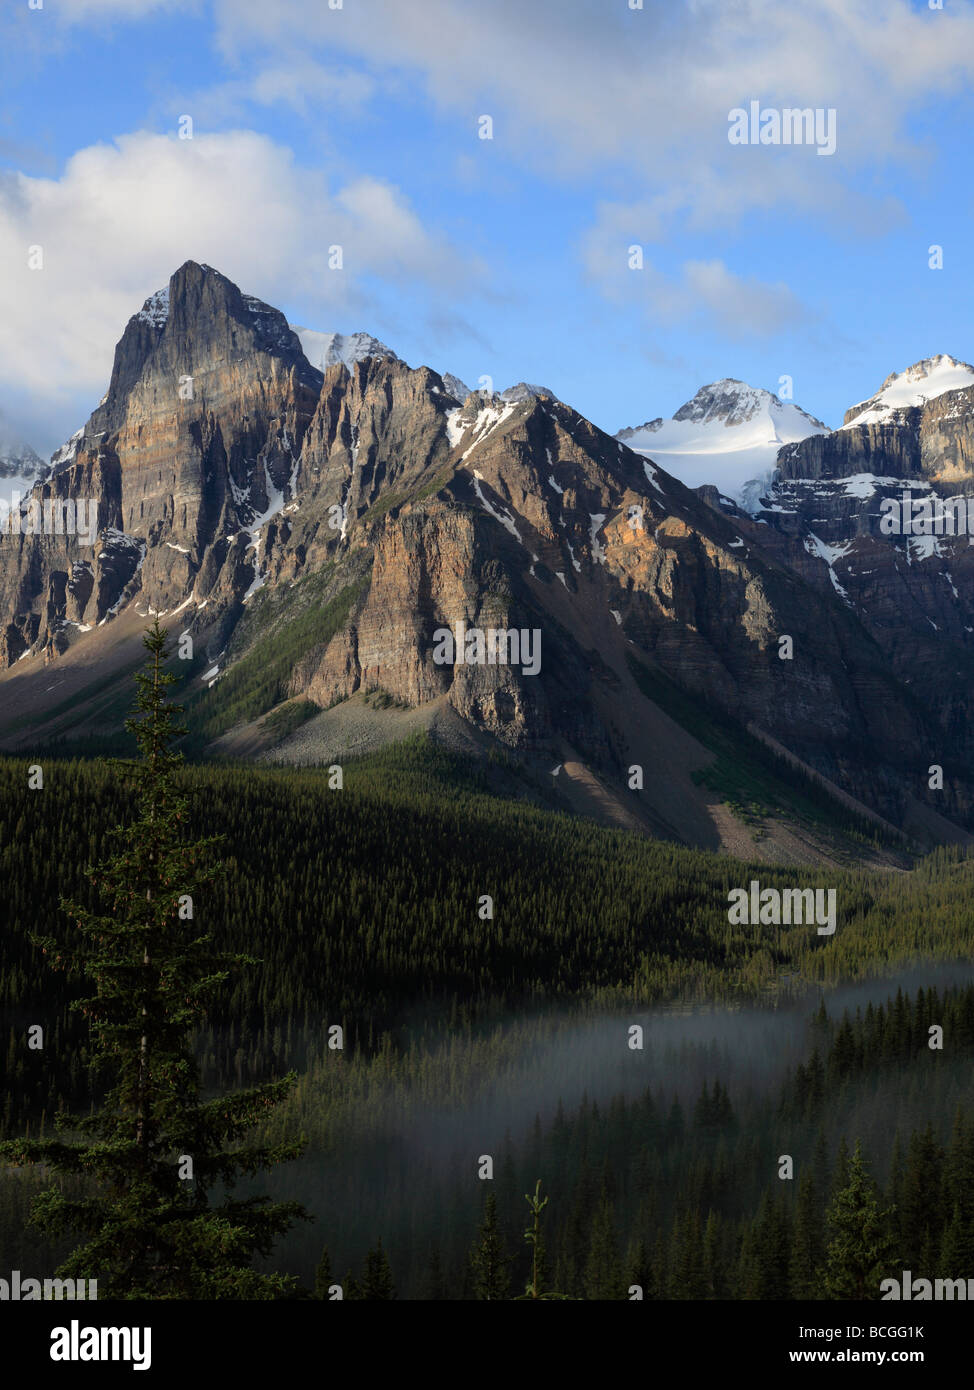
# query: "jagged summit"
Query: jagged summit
{"points": [[20, 465], [734, 402], [362, 511], [199, 299], [524, 391], [324, 350], [924, 381], [321, 350], [728, 435], [457, 388]]}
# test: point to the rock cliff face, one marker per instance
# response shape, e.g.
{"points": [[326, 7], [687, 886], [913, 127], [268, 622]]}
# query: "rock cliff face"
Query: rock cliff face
{"points": [[221, 465], [196, 439], [834, 517]]}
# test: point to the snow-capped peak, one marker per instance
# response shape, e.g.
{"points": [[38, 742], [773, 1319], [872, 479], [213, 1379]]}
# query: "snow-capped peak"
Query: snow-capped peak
{"points": [[924, 381], [155, 310], [458, 389], [323, 350], [20, 467], [68, 451], [733, 402], [728, 435], [524, 391]]}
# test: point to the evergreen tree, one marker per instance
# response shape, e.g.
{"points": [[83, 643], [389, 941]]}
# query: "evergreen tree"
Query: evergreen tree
{"points": [[957, 1250], [921, 1216], [641, 1271], [840, 1173], [155, 1151], [323, 1277], [377, 1279], [808, 1250], [603, 1271], [860, 1252], [959, 1188], [686, 1263], [488, 1259], [714, 1262], [747, 1273], [772, 1248]]}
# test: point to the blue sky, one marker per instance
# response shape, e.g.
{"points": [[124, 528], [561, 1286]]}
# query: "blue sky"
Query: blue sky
{"points": [[505, 257]]}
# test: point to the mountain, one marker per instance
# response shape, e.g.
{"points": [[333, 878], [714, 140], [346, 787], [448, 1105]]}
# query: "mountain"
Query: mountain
{"points": [[20, 466], [922, 382], [316, 533], [523, 391], [455, 386], [727, 436], [324, 350], [823, 518]]}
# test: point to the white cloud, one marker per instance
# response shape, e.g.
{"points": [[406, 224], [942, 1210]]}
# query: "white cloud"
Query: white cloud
{"points": [[123, 216], [700, 293], [81, 11], [573, 85], [740, 304]]}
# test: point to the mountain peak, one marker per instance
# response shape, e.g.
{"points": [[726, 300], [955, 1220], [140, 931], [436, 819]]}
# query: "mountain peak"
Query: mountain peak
{"points": [[524, 391], [728, 435], [324, 350], [927, 368], [733, 402], [20, 466], [924, 381]]}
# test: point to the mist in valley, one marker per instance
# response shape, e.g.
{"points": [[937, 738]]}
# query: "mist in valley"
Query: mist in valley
{"points": [[400, 1155]]}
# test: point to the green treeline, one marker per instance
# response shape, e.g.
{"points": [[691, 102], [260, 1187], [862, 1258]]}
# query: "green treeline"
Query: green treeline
{"points": [[684, 1197], [675, 1191], [362, 903], [362, 906]]}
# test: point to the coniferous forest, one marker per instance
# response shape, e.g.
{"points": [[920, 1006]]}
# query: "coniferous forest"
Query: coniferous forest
{"points": [[599, 1090], [486, 668]]}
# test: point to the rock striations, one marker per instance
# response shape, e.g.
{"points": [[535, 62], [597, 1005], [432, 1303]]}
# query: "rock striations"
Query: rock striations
{"points": [[226, 468]]}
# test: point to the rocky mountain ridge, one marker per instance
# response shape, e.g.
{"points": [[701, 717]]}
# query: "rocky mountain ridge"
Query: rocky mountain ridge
{"points": [[364, 510]]}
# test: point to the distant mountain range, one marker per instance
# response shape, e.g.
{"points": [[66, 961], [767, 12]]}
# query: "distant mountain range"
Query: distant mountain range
{"points": [[20, 466], [719, 609]]}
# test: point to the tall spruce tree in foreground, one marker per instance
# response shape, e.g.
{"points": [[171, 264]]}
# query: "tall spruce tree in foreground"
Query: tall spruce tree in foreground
{"points": [[150, 1230], [860, 1253]]}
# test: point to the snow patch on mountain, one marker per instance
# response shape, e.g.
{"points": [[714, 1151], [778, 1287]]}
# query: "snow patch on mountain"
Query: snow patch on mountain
{"points": [[830, 554], [324, 350], [486, 420], [728, 435], [68, 452], [20, 467], [155, 310], [504, 517], [924, 381]]}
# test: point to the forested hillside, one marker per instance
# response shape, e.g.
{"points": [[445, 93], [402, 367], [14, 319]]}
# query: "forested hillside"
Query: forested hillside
{"points": [[363, 902]]}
